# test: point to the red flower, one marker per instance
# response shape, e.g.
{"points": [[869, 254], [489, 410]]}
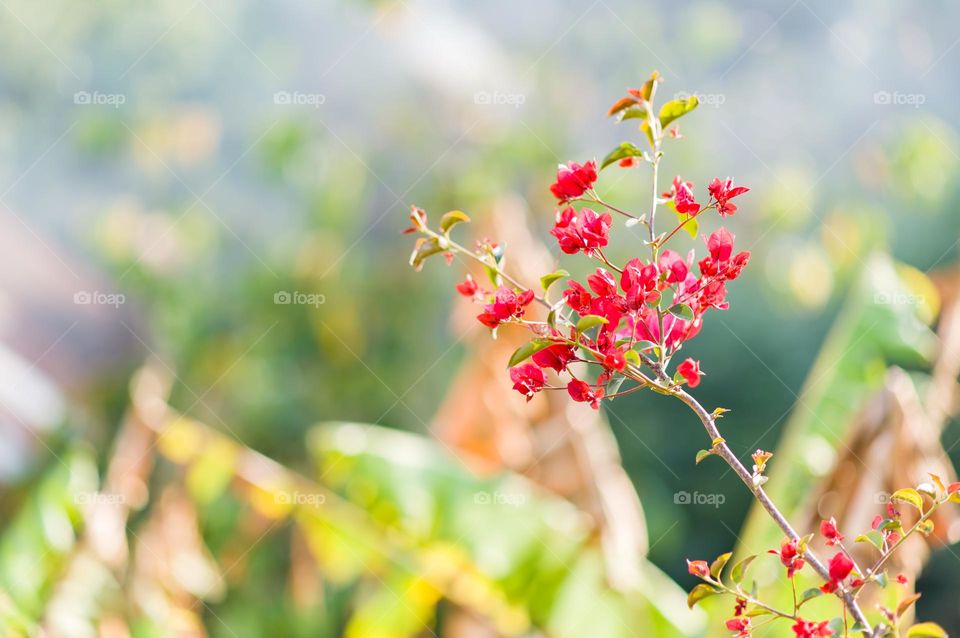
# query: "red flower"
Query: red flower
{"points": [[690, 371], [839, 568], [602, 283], [741, 627], [808, 629], [721, 262], [583, 392], [467, 287], [506, 305], [723, 192], [683, 199], [674, 265], [573, 180], [698, 568], [828, 529], [639, 283], [740, 607], [556, 357], [586, 230], [577, 298], [789, 556], [613, 359], [527, 379], [901, 579]]}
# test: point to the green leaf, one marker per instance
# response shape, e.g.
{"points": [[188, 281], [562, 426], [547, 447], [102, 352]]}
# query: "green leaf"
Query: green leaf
{"points": [[423, 249], [700, 592], [527, 350], [451, 219], [809, 594], [926, 527], [681, 310], [548, 280], [716, 567], [637, 112], [740, 569], [689, 222], [873, 537], [702, 454], [632, 357], [926, 630], [910, 496], [677, 108], [590, 321], [624, 150], [757, 611]]}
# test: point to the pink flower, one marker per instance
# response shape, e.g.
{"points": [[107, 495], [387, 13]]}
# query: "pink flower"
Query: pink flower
{"points": [[808, 629], [506, 305], [467, 287], [829, 531], [723, 192], [839, 568], [527, 379], [740, 627], [674, 265], [556, 357], [790, 556], [584, 231], [573, 180], [690, 371], [683, 199], [583, 392]]}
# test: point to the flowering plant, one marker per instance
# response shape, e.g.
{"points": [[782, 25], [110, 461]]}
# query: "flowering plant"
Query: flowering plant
{"points": [[629, 323]]}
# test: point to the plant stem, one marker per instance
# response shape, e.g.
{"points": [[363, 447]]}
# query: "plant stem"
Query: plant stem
{"points": [[723, 451]]}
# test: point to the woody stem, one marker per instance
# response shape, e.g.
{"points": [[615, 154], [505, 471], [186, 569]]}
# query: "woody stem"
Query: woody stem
{"points": [[723, 451]]}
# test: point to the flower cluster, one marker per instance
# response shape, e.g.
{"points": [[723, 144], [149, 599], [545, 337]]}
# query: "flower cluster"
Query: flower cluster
{"points": [[627, 321]]}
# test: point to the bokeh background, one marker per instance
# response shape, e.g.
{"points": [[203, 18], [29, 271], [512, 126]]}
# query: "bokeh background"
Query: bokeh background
{"points": [[217, 189]]}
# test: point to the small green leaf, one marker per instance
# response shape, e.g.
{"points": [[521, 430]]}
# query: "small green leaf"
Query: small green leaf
{"points": [[423, 249], [926, 630], [632, 357], [910, 496], [740, 569], [646, 91], [451, 219], [689, 222], [757, 611], [716, 567], [548, 280], [698, 593], [926, 527], [873, 537], [637, 112], [702, 454], [809, 594], [681, 310], [677, 108], [527, 350], [624, 150], [590, 321]]}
